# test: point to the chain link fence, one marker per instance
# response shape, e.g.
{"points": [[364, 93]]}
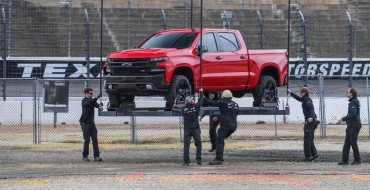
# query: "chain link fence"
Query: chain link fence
{"points": [[24, 119]]}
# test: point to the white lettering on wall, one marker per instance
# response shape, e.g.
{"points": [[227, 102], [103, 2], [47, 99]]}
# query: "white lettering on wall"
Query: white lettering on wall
{"points": [[27, 71], [55, 70]]}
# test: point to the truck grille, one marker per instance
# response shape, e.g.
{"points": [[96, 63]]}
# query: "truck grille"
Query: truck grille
{"points": [[129, 66]]}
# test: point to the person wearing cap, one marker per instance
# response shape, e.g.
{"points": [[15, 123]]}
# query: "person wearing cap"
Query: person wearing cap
{"points": [[88, 124], [229, 111], [310, 124], [353, 122], [191, 128]]}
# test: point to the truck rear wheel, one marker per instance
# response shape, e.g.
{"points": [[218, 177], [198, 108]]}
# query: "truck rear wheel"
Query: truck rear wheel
{"points": [[265, 91], [180, 88], [115, 100]]}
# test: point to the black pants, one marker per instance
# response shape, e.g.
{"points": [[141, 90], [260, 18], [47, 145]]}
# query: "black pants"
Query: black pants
{"points": [[351, 140], [308, 142], [188, 134], [89, 131], [212, 130], [222, 133]]}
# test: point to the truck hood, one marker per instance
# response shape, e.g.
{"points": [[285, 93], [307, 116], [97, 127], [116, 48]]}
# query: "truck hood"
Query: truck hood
{"points": [[142, 52]]}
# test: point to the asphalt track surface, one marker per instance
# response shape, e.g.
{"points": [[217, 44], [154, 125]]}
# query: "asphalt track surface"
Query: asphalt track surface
{"points": [[264, 164]]}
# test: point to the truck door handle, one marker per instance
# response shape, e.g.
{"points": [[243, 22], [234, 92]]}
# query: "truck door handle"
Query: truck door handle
{"points": [[242, 57], [218, 57]]}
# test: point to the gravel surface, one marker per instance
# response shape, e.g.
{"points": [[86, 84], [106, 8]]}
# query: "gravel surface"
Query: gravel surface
{"points": [[273, 164]]}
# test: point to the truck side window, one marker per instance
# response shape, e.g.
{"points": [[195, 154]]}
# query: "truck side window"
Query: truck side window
{"points": [[209, 41], [228, 41]]}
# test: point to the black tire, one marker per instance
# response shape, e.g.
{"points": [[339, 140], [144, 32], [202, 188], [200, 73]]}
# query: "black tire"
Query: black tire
{"points": [[213, 95], [180, 88], [115, 100], [265, 91]]}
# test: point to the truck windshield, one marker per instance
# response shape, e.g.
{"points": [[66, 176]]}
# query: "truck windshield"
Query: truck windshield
{"points": [[177, 40]]}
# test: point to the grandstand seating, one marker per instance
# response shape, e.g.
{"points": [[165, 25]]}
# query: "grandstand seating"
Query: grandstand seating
{"points": [[40, 27]]}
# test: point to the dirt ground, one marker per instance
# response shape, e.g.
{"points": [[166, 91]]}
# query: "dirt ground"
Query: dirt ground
{"points": [[249, 164]]}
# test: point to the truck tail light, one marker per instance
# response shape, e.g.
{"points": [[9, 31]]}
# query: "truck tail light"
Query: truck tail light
{"points": [[112, 86]]}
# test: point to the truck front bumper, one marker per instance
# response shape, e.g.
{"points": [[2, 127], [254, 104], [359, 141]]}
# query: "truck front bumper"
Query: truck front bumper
{"points": [[137, 85]]}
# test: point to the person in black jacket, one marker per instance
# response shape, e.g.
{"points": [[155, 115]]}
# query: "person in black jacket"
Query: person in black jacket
{"points": [[214, 122], [353, 128], [229, 111], [310, 124], [88, 124], [192, 128]]}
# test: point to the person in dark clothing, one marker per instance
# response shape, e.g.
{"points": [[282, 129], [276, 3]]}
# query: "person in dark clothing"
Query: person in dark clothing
{"points": [[353, 121], [310, 124], [192, 128], [88, 124], [229, 111], [214, 122]]}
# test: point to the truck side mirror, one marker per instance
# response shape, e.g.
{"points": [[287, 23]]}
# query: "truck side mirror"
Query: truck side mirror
{"points": [[200, 50]]}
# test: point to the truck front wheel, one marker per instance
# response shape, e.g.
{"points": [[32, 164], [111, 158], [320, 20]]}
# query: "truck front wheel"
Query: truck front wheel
{"points": [[180, 88], [265, 91]]}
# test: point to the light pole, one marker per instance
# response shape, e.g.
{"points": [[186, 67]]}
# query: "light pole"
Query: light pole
{"points": [[68, 4]]}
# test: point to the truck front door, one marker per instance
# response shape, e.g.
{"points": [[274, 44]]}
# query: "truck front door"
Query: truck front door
{"points": [[212, 69]]}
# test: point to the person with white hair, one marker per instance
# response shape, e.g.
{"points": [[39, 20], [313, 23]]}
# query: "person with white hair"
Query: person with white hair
{"points": [[191, 128], [229, 111]]}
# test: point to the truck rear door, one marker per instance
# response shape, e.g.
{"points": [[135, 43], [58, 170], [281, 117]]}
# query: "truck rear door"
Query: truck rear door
{"points": [[235, 61]]}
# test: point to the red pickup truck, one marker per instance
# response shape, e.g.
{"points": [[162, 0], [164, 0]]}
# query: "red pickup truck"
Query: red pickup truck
{"points": [[167, 63]]}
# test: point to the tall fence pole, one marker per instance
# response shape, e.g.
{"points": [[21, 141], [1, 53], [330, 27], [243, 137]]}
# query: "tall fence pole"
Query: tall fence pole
{"points": [[128, 24], [164, 20], [260, 26], [4, 52], [350, 48], [87, 25], [303, 25]]}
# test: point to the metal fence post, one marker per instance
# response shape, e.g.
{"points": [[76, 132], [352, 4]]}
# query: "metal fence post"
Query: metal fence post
{"points": [[260, 25], [322, 106], [350, 48], [4, 52], [87, 24], [133, 129], [181, 126], [303, 25], [128, 24], [164, 20], [368, 106], [34, 112], [38, 111]]}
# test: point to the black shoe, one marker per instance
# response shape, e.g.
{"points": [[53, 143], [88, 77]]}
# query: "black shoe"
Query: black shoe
{"points": [[212, 150], [307, 159], [97, 159], [314, 157], [216, 162], [356, 162], [85, 159], [343, 163], [199, 162], [185, 164]]}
